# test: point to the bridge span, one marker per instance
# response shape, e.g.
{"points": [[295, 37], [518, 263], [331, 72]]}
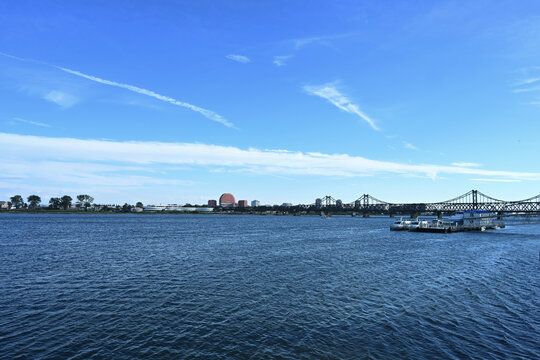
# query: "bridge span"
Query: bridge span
{"points": [[473, 200]]}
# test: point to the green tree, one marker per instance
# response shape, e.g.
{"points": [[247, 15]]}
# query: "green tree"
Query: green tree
{"points": [[139, 205], [84, 201], [17, 201], [55, 203], [33, 201], [126, 207], [65, 202]]}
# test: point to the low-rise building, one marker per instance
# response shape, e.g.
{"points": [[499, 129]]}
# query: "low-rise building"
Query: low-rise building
{"points": [[175, 207], [242, 203], [477, 219], [255, 203], [286, 204], [4, 205], [227, 200], [212, 203]]}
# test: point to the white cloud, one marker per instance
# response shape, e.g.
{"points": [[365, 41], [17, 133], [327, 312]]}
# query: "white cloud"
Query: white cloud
{"points": [[205, 112], [86, 173], [332, 94], [409, 146], [281, 60], [148, 155], [496, 180], [239, 58], [323, 39], [527, 81], [530, 89], [64, 99], [31, 122], [466, 164], [61, 98]]}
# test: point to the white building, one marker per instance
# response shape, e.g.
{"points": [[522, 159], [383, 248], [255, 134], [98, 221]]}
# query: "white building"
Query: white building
{"points": [[175, 207], [286, 204], [255, 203], [4, 205], [477, 219]]}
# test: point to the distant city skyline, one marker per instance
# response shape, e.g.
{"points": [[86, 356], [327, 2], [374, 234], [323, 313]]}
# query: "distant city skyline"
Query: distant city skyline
{"points": [[181, 102]]}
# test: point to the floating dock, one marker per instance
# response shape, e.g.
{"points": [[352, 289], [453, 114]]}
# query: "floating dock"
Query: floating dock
{"points": [[474, 220]]}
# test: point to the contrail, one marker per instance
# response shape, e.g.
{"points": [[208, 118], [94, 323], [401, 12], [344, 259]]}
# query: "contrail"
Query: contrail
{"points": [[331, 93], [205, 112]]}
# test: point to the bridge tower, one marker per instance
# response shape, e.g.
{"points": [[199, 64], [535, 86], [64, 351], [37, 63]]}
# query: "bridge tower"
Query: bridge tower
{"points": [[366, 205], [475, 199]]}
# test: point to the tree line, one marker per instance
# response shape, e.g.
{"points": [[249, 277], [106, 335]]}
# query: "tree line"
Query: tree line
{"points": [[65, 202]]}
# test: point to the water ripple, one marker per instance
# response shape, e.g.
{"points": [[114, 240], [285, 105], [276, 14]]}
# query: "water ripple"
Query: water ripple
{"points": [[230, 287]]}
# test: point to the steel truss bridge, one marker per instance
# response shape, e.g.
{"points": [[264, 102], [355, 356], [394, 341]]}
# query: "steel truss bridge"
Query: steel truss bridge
{"points": [[473, 200]]}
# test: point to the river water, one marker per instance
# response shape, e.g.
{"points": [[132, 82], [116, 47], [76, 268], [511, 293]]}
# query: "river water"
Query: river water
{"points": [[126, 286]]}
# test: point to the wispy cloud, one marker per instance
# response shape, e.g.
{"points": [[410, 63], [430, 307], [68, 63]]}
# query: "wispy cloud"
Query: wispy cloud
{"points": [[281, 60], [322, 39], [31, 122], [205, 112], [88, 173], [239, 58], [409, 146], [334, 96], [24, 148], [529, 89], [527, 81], [496, 180], [61, 98], [466, 164]]}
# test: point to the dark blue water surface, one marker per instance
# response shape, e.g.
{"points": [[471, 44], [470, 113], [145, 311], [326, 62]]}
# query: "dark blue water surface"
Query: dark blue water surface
{"points": [[209, 286]]}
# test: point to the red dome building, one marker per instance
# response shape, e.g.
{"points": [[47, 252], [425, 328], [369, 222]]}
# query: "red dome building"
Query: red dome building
{"points": [[227, 200]]}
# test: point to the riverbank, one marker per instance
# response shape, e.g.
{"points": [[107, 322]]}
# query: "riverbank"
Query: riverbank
{"points": [[261, 213]]}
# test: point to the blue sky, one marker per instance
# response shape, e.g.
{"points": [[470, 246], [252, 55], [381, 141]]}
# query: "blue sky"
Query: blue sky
{"points": [[175, 102]]}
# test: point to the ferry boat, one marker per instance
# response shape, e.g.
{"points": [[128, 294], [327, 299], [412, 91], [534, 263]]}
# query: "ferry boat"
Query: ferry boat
{"points": [[438, 226], [400, 225], [414, 224], [473, 220], [405, 224]]}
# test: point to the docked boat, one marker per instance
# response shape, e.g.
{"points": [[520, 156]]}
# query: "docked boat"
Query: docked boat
{"points": [[473, 220], [400, 225], [437, 226], [413, 225]]}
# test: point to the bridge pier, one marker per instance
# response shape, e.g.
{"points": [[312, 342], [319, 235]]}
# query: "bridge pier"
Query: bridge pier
{"points": [[366, 215], [392, 215], [439, 214]]}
